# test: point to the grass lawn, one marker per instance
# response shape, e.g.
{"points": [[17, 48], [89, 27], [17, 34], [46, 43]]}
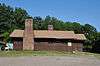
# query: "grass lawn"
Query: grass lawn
{"points": [[45, 53]]}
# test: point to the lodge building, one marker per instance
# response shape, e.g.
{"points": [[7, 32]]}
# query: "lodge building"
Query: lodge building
{"points": [[30, 39]]}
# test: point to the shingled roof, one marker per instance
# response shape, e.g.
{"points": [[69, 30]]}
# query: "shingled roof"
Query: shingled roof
{"points": [[51, 34]]}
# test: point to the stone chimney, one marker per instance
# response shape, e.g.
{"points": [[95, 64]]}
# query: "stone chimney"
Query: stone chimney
{"points": [[50, 27], [28, 39]]}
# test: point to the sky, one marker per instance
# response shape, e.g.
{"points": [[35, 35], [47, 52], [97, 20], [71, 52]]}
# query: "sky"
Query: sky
{"points": [[82, 11]]}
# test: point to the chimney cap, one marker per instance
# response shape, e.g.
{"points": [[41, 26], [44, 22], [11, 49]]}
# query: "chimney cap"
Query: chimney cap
{"points": [[28, 20]]}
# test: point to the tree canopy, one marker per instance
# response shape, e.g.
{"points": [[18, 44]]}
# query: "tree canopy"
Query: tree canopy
{"points": [[11, 18]]}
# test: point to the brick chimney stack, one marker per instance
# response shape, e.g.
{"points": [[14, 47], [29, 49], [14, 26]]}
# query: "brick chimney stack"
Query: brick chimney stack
{"points": [[28, 39], [50, 27]]}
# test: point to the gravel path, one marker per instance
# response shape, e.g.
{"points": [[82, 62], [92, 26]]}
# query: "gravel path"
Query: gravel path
{"points": [[49, 61]]}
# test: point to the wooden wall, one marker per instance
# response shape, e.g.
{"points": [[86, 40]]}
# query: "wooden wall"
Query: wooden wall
{"points": [[17, 43], [50, 46], [57, 46]]}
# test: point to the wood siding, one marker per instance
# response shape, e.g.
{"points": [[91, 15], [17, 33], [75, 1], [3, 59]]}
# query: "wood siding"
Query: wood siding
{"points": [[17, 43], [51, 45], [57, 46]]}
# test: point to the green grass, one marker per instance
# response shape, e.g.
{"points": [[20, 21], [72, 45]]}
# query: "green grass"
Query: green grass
{"points": [[45, 53]]}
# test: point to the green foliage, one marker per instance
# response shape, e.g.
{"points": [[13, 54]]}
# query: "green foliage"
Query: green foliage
{"points": [[11, 19], [90, 31], [19, 16], [46, 53], [37, 23], [6, 36], [96, 44]]}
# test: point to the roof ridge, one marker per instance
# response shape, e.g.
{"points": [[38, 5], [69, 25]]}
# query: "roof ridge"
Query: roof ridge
{"points": [[48, 30]]}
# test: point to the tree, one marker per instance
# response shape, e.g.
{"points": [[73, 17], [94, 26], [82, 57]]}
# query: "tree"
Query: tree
{"points": [[37, 23], [96, 44], [5, 18], [11, 18], [89, 31], [19, 17], [46, 22], [77, 27]]}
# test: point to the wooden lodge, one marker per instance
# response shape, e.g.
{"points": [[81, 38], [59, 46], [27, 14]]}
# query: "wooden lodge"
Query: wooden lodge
{"points": [[50, 39]]}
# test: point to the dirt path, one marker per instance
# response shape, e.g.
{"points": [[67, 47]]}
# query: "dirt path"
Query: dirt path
{"points": [[49, 61]]}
